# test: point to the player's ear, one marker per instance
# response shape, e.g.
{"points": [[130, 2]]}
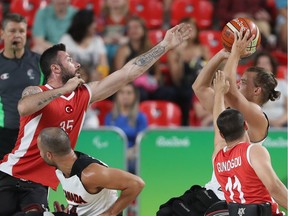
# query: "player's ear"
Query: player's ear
{"points": [[245, 125], [221, 134], [49, 155], [258, 90], [55, 68], [1, 34]]}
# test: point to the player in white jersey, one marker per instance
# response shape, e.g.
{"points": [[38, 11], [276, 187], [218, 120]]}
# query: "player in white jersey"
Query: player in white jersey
{"points": [[255, 88], [89, 184]]}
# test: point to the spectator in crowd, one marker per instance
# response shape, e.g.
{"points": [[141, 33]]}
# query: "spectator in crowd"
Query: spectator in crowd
{"points": [[85, 46], [276, 110], [112, 24], [185, 62], [91, 120], [19, 69], [51, 23], [125, 114], [281, 24], [138, 43], [166, 13]]}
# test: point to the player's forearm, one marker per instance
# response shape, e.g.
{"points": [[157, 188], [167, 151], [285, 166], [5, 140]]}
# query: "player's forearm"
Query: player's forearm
{"points": [[205, 77], [219, 106], [280, 193], [35, 102], [126, 197], [142, 63], [131, 70], [230, 70]]}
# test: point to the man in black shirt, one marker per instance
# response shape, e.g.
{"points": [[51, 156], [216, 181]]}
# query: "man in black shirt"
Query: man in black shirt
{"points": [[19, 69]]}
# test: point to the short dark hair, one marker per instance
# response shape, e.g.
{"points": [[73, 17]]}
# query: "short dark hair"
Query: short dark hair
{"points": [[231, 124], [12, 17], [55, 140], [49, 57], [267, 81]]}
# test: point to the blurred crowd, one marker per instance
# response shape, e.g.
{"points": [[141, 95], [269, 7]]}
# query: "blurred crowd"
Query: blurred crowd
{"points": [[102, 35]]}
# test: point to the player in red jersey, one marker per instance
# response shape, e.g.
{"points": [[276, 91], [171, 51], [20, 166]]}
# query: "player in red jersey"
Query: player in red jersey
{"points": [[243, 170], [62, 102]]}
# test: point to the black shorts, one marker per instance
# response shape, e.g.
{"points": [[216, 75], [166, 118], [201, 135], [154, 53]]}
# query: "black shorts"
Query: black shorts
{"points": [[18, 195], [8, 139]]}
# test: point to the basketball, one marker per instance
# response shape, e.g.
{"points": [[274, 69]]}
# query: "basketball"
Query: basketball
{"points": [[235, 25]]}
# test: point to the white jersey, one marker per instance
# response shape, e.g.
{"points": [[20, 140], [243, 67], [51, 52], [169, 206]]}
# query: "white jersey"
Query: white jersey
{"points": [[215, 186], [86, 204]]}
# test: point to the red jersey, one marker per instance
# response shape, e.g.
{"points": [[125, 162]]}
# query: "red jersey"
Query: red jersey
{"points": [[67, 112], [238, 179]]}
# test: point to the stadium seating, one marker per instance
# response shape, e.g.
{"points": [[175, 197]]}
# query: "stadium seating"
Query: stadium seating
{"points": [[27, 8], [193, 120], [200, 10], [150, 11], [204, 16], [212, 39], [102, 108], [161, 113], [281, 57]]}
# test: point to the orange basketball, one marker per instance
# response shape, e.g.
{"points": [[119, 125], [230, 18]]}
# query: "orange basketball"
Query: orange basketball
{"points": [[235, 25]]}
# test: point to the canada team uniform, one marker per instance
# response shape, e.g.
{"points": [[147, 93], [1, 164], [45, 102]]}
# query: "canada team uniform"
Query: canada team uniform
{"points": [[76, 195], [67, 112], [238, 179]]}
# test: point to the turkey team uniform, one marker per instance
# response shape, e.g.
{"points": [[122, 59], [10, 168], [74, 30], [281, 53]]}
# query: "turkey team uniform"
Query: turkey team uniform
{"points": [[238, 179], [68, 112], [214, 185], [86, 204]]}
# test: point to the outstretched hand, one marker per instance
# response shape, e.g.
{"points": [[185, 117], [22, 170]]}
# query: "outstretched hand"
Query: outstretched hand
{"points": [[221, 85], [241, 41], [178, 34]]}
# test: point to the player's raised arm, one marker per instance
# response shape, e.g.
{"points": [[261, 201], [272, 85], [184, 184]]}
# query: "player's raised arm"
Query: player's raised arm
{"points": [[247, 97], [137, 66], [203, 84], [221, 87]]}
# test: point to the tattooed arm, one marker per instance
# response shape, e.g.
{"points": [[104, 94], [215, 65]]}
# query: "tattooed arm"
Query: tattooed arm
{"points": [[33, 99], [137, 66]]}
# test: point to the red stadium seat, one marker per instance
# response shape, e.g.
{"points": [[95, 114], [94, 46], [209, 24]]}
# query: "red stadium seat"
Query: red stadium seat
{"points": [[183, 8], [212, 39], [102, 108], [204, 16], [95, 5], [151, 11], [193, 120], [200, 10], [281, 57], [161, 113], [282, 72], [156, 35], [27, 8]]}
